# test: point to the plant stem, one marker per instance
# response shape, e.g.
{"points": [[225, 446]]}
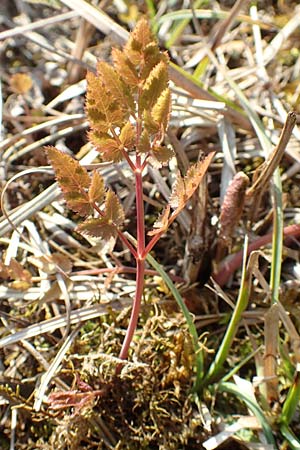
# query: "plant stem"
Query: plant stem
{"points": [[140, 260], [232, 263], [140, 269]]}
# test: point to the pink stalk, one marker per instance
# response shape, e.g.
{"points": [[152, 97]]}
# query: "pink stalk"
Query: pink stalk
{"points": [[140, 261], [233, 262]]}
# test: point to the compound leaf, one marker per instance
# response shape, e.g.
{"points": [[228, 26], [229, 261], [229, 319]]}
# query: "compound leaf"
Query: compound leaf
{"points": [[185, 187], [73, 179]]}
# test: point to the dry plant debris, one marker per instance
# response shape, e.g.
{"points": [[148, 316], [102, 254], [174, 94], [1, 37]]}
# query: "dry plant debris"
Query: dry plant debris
{"points": [[65, 298]]}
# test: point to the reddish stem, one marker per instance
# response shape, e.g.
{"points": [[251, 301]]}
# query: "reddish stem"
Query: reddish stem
{"points": [[232, 263], [140, 260], [140, 270]]}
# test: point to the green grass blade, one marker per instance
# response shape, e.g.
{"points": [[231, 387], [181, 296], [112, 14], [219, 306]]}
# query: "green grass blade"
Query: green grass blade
{"points": [[188, 317], [238, 366], [253, 406], [277, 239], [242, 302], [277, 189], [207, 14], [152, 13], [215, 95], [184, 20], [294, 443], [292, 400]]}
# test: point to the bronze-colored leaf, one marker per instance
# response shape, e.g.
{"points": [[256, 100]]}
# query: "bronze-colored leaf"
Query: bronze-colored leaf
{"points": [[144, 145], [103, 110], [96, 189], [162, 108], [152, 56], [128, 136], [155, 84], [125, 68], [107, 146], [114, 212], [151, 126], [116, 86], [97, 228], [73, 179], [161, 224], [139, 38], [162, 153], [185, 187]]}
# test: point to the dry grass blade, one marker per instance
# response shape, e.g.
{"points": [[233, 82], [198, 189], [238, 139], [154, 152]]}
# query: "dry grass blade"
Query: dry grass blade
{"points": [[271, 353], [53, 367], [186, 82], [273, 161], [99, 19], [281, 37], [223, 27], [48, 326], [22, 29]]}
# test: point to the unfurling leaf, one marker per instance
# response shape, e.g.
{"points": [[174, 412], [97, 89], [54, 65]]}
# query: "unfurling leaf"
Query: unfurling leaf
{"points": [[96, 189], [73, 180], [184, 188], [161, 224], [107, 146], [162, 108], [155, 84]]}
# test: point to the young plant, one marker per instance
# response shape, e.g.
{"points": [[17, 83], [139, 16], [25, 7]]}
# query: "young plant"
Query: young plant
{"points": [[128, 105]]}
